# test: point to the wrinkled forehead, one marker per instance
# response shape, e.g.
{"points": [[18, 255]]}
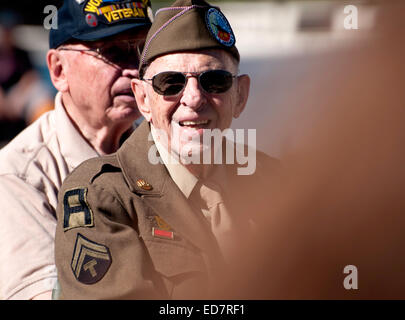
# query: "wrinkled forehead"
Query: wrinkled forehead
{"points": [[194, 61]]}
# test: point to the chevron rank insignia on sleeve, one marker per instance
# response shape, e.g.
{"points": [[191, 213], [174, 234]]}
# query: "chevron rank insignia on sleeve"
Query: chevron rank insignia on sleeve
{"points": [[90, 261]]}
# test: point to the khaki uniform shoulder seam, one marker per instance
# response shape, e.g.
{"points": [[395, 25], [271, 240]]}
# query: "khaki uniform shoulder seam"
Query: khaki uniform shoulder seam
{"points": [[90, 169]]}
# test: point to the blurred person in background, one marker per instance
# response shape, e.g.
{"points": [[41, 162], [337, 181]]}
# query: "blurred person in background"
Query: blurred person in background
{"points": [[335, 229], [92, 60], [23, 95]]}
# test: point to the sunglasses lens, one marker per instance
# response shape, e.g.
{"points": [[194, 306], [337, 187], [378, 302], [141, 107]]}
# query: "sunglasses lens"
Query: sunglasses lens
{"points": [[216, 81], [169, 83], [122, 52]]}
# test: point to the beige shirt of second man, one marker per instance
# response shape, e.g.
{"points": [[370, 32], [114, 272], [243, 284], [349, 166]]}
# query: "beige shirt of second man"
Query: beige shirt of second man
{"points": [[32, 169]]}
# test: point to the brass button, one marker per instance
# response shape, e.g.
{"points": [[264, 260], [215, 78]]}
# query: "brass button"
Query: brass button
{"points": [[144, 185]]}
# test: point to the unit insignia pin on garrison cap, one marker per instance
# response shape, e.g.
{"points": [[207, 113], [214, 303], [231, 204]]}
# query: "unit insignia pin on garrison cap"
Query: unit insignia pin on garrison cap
{"points": [[219, 27], [144, 185]]}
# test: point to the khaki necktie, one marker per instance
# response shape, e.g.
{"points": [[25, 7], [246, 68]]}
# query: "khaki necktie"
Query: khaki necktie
{"points": [[207, 196]]}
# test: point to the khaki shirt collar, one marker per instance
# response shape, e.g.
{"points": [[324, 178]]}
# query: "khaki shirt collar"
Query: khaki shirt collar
{"points": [[74, 148], [183, 178]]}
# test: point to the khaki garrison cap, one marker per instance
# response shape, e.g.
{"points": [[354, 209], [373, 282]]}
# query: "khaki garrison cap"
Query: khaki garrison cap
{"points": [[185, 26]]}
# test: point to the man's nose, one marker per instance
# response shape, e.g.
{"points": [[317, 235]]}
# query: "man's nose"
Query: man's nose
{"points": [[193, 96]]}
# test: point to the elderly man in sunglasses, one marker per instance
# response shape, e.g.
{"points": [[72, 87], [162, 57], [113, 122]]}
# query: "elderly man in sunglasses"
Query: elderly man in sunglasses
{"points": [[147, 222], [92, 60]]}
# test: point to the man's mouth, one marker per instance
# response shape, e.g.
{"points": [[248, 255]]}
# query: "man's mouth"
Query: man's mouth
{"points": [[198, 123]]}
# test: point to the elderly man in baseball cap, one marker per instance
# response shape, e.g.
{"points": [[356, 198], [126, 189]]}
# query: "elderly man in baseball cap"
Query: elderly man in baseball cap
{"points": [[133, 227], [92, 59]]}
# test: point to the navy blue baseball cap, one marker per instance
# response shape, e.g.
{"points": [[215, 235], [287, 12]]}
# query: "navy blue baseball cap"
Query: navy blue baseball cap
{"points": [[90, 20]]}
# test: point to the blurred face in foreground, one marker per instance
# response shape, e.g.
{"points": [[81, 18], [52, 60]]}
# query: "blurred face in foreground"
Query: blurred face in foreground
{"points": [[184, 116]]}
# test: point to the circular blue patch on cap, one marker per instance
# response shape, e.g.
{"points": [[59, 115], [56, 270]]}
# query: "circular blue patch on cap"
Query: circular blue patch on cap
{"points": [[219, 27]]}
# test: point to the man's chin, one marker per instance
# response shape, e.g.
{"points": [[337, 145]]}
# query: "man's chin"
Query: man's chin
{"points": [[124, 99], [124, 113]]}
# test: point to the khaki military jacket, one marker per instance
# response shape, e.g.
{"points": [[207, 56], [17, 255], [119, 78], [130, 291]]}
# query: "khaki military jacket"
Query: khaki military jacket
{"points": [[126, 231]]}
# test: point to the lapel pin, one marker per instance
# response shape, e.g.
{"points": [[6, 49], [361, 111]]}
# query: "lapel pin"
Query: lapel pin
{"points": [[144, 185]]}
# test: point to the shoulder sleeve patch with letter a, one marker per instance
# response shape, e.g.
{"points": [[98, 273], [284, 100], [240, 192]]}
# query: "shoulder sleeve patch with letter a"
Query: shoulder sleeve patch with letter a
{"points": [[76, 211], [90, 261]]}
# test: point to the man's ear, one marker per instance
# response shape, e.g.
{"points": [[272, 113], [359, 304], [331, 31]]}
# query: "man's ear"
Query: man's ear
{"points": [[141, 98], [243, 83], [57, 70]]}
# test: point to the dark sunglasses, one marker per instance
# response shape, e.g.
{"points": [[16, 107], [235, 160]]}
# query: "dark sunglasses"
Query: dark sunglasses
{"points": [[116, 52], [171, 83]]}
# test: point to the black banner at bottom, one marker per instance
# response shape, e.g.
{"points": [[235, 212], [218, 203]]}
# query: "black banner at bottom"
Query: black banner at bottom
{"points": [[206, 309]]}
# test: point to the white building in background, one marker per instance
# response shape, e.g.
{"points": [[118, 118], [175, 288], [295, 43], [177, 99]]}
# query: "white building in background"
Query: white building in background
{"points": [[293, 27]]}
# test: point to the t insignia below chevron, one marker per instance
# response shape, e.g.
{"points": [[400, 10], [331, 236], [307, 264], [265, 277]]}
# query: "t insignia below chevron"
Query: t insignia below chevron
{"points": [[90, 261]]}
